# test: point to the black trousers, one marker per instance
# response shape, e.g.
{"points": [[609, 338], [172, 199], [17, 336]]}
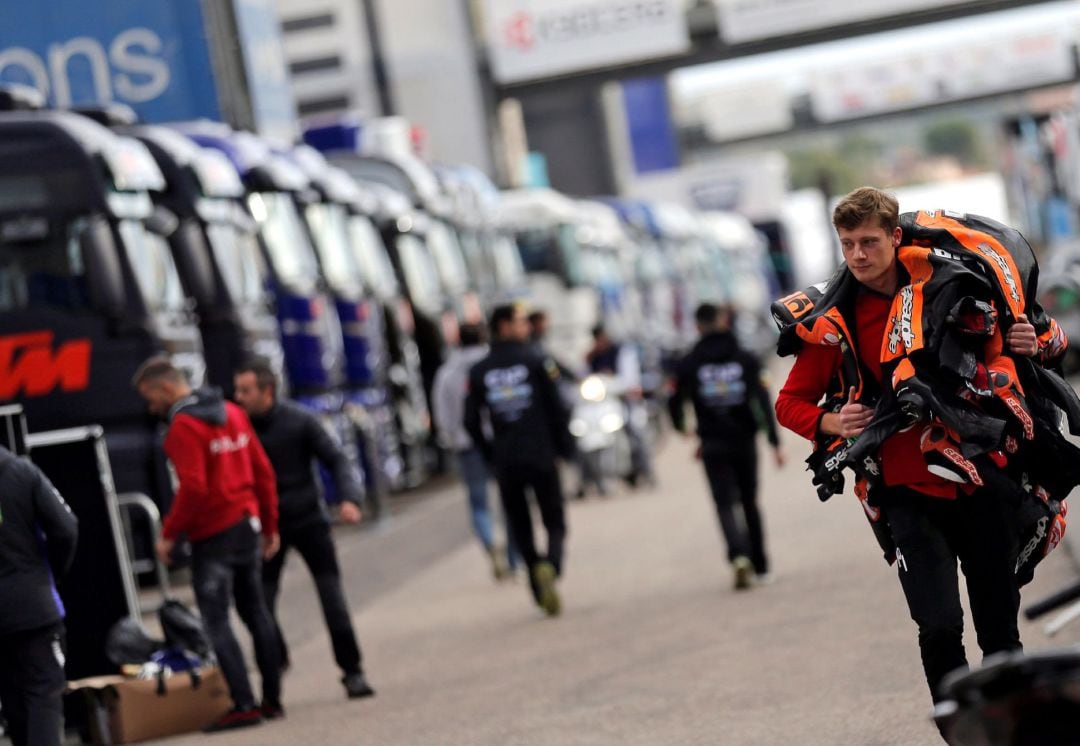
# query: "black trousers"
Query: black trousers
{"points": [[226, 568], [32, 684], [316, 547], [514, 481], [932, 536], [732, 472]]}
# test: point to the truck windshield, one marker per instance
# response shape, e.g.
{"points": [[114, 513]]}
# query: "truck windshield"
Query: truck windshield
{"points": [[374, 261], [339, 263], [420, 277], [42, 266], [152, 262], [448, 259], [236, 252], [554, 250], [287, 244]]}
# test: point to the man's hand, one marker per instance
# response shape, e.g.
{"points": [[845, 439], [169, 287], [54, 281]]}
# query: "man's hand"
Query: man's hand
{"points": [[850, 421], [350, 512], [164, 550], [271, 544], [1021, 338], [779, 457]]}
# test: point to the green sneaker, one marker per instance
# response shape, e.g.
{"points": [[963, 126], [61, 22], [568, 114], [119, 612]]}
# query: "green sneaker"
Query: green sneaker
{"points": [[548, 598], [744, 572]]}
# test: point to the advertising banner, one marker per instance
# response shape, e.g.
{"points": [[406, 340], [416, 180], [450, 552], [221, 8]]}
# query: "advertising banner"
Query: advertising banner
{"points": [[534, 39], [152, 55], [941, 73], [751, 20]]}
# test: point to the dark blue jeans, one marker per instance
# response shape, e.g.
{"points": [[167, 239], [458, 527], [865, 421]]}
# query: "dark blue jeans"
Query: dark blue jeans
{"points": [[474, 472], [226, 568]]}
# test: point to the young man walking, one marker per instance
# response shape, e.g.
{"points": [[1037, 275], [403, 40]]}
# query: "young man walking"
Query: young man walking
{"points": [[724, 383], [852, 339], [227, 505], [516, 390]]}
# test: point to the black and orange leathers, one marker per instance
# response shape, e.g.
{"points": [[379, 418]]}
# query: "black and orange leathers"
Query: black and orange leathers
{"points": [[980, 261], [940, 358]]}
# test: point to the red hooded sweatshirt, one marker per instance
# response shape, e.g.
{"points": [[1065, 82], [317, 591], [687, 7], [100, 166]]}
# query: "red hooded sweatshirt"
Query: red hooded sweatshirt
{"points": [[224, 474]]}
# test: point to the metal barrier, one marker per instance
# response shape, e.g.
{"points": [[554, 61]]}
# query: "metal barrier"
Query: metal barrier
{"points": [[129, 501]]}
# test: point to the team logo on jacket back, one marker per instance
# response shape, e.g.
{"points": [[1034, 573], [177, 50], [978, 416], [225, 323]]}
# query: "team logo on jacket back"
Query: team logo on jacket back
{"points": [[722, 384], [509, 392]]}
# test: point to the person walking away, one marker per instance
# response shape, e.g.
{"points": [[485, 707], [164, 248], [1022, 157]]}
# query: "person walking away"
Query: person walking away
{"points": [[448, 395], [928, 523], [516, 390], [296, 442], [724, 383], [32, 680], [225, 502]]}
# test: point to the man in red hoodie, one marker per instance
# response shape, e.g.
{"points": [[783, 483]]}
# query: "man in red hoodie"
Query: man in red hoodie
{"points": [[225, 500]]}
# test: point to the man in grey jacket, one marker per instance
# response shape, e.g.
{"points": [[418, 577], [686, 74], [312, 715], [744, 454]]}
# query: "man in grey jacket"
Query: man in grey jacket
{"points": [[448, 394]]}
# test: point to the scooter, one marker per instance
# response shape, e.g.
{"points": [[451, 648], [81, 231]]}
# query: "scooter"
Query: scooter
{"points": [[598, 423]]}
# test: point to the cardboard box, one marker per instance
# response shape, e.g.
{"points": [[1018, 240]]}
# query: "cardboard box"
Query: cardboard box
{"points": [[124, 710]]}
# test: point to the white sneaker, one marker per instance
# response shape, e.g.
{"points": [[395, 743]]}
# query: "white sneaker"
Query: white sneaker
{"points": [[764, 578]]}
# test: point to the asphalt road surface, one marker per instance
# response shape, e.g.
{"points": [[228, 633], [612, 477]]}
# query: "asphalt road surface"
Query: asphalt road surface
{"points": [[653, 647]]}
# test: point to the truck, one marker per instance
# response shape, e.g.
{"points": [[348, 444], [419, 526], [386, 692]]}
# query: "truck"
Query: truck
{"points": [[330, 211], [216, 249], [88, 286], [307, 317]]}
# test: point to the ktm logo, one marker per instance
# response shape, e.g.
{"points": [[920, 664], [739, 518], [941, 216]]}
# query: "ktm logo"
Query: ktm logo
{"points": [[29, 365]]}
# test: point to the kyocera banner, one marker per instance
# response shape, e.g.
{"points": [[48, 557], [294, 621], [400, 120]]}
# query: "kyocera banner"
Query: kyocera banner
{"points": [[532, 39], [150, 54]]}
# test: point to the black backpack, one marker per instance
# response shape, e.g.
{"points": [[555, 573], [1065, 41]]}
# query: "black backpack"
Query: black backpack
{"points": [[184, 630]]}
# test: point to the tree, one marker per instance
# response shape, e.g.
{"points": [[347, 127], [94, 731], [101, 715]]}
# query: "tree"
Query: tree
{"points": [[954, 137]]}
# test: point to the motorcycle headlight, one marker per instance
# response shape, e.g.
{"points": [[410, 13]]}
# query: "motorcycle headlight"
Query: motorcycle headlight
{"points": [[611, 422], [593, 389]]}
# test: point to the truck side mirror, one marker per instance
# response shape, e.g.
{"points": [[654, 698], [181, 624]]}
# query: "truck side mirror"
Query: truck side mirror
{"points": [[104, 275]]}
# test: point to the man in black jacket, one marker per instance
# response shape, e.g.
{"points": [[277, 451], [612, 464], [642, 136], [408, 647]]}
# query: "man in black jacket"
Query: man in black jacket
{"points": [[724, 383], [517, 390], [295, 440], [31, 614]]}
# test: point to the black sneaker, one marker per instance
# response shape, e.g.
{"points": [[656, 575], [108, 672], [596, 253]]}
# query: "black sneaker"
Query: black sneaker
{"points": [[272, 710], [236, 718], [356, 686]]}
